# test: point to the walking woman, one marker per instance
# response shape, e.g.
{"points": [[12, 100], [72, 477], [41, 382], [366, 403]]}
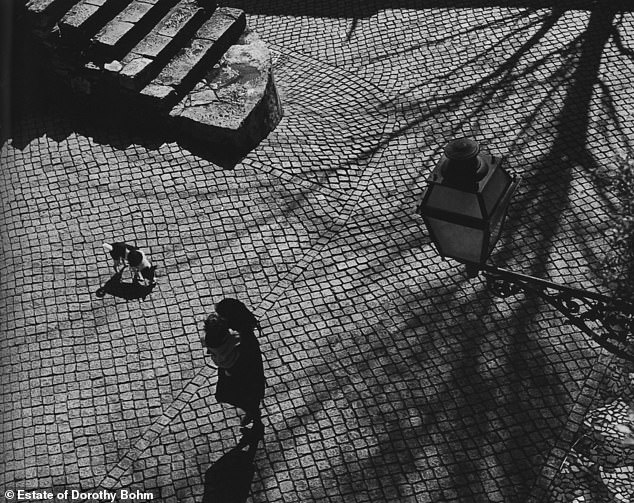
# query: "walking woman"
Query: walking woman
{"points": [[229, 336]]}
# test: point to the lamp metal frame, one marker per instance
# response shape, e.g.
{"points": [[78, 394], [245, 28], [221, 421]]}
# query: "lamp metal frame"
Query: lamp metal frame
{"points": [[606, 320]]}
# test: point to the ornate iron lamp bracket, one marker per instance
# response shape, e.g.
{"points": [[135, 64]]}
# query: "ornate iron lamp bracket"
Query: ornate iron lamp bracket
{"points": [[609, 322]]}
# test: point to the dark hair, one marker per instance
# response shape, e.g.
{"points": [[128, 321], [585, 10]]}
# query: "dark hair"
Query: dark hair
{"points": [[216, 331], [237, 315], [135, 258]]}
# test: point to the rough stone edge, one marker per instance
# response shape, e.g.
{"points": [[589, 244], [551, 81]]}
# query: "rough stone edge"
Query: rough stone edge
{"points": [[262, 119]]}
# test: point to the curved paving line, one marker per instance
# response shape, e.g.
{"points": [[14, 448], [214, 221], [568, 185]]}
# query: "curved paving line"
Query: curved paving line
{"points": [[111, 479], [551, 467], [153, 432], [352, 198], [280, 54]]}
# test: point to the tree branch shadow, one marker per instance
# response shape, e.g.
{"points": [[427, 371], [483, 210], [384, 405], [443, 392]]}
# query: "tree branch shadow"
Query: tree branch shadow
{"points": [[518, 425], [364, 9]]}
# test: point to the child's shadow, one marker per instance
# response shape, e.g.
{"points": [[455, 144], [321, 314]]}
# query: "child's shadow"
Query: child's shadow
{"points": [[129, 291], [229, 479]]}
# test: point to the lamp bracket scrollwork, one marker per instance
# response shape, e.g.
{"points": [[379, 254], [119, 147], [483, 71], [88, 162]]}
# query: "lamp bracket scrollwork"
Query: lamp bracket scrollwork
{"points": [[609, 322]]}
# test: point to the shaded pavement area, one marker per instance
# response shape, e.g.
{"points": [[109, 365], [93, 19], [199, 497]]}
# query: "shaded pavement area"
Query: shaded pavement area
{"points": [[392, 376]]}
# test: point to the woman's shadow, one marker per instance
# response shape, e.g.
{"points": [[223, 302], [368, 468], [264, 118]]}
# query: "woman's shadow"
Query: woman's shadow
{"points": [[229, 479], [129, 291]]}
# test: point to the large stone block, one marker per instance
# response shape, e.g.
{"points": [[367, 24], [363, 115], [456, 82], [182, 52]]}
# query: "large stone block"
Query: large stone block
{"points": [[79, 15], [136, 11], [151, 46], [156, 95], [223, 21], [39, 6], [236, 101], [135, 71], [111, 34], [185, 62], [178, 19]]}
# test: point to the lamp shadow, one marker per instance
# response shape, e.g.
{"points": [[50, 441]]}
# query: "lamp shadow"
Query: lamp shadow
{"points": [[124, 290], [229, 479]]}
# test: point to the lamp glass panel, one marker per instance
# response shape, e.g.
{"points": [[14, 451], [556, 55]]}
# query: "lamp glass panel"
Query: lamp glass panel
{"points": [[496, 223], [495, 231], [453, 201], [457, 241], [494, 189]]}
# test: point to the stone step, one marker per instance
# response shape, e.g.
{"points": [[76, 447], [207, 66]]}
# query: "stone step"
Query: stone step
{"points": [[127, 28], [236, 102], [209, 43], [147, 57], [199, 70], [86, 17], [45, 13]]}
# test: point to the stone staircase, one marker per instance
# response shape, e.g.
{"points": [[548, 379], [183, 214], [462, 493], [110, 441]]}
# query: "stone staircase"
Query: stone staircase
{"points": [[188, 62]]}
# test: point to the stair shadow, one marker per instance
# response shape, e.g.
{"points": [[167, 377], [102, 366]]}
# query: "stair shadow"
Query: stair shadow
{"points": [[229, 479], [114, 119], [124, 290], [117, 124]]}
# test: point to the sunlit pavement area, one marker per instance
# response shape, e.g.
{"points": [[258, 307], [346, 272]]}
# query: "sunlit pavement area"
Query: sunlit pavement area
{"points": [[392, 376]]}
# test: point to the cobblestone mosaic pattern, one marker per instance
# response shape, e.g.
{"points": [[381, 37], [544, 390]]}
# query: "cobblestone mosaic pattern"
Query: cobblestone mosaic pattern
{"points": [[447, 369], [106, 368], [598, 466], [333, 123], [392, 377]]}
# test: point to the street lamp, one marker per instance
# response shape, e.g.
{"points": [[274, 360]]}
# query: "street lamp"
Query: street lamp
{"points": [[464, 209], [466, 202]]}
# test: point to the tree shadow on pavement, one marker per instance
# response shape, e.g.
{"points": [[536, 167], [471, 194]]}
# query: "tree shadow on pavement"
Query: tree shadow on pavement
{"points": [[362, 9], [359, 9], [229, 479], [545, 187], [537, 212], [499, 404], [505, 385], [534, 223]]}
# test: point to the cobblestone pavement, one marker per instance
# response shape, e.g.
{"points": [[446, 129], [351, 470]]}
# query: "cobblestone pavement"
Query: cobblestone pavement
{"points": [[392, 376]]}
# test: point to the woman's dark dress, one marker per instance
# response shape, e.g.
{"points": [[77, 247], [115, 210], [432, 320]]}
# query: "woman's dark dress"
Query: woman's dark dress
{"points": [[244, 387]]}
